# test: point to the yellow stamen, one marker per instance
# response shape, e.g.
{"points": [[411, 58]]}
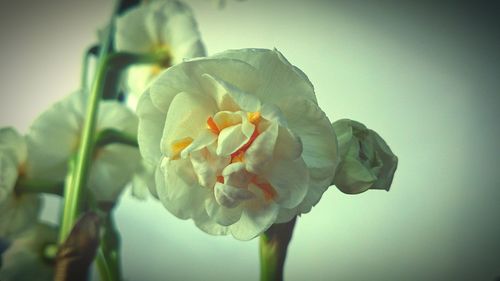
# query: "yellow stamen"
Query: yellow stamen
{"points": [[254, 117], [179, 145]]}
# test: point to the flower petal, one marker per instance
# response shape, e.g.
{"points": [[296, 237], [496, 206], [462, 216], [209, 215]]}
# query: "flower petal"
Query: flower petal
{"points": [[151, 124], [281, 80], [180, 192], [319, 143], [18, 213], [131, 35], [186, 117], [8, 176], [113, 167], [13, 143], [257, 216]]}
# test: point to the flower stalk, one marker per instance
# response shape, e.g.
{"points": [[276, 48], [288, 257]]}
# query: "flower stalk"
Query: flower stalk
{"points": [[273, 249]]}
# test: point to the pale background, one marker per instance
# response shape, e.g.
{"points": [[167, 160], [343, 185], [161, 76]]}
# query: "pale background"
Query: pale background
{"points": [[426, 77]]}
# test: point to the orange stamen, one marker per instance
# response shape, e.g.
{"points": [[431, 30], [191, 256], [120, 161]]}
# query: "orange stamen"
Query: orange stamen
{"points": [[268, 190], [212, 125], [220, 179], [245, 147]]}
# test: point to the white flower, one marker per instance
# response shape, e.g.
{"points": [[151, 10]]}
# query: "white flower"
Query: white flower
{"points": [[157, 26], [17, 211], [24, 261], [367, 162], [55, 135], [239, 141]]}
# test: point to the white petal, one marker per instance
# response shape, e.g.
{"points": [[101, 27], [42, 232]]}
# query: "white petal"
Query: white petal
{"points": [[281, 80], [207, 166], [8, 176], [231, 139], [208, 225], [151, 123], [259, 155], [25, 252], [180, 192], [255, 219], [52, 139], [186, 117], [205, 138], [113, 167], [114, 115], [131, 34], [143, 181], [221, 214], [245, 102], [13, 143], [230, 196], [290, 179], [18, 213], [310, 124]]}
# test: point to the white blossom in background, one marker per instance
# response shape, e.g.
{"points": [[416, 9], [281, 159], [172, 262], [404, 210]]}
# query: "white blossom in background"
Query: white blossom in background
{"points": [[367, 162], [24, 261], [238, 140], [17, 211], [157, 26], [55, 135]]}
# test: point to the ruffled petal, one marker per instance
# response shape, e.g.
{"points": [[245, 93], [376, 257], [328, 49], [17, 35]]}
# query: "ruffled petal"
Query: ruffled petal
{"points": [[280, 79], [221, 214], [310, 124], [151, 123], [180, 192], [186, 118], [257, 216]]}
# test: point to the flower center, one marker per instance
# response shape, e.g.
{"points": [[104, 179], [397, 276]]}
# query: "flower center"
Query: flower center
{"points": [[165, 51]]}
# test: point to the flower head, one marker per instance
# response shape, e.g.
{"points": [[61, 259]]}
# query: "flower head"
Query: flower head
{"points": [[239, 141], [17, 211], [55, 135], [23, 260], [367, 162], [157, 26]]}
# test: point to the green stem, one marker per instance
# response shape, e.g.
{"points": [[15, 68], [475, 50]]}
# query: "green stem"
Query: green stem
{"points": [[102, 265], [86, 58], [273, 249], [74, 188], [110, 247], [39, 186]]}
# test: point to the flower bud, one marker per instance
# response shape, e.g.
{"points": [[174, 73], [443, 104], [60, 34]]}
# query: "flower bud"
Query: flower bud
{"points": [[367, 162]]}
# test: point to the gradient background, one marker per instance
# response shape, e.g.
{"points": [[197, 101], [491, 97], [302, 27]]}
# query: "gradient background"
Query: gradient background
{"points": [[424, 75]]}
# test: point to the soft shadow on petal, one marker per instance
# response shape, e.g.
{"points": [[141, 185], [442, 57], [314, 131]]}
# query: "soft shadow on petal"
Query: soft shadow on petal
{"points": [[151, 123], [180, 192], [257, 216]]}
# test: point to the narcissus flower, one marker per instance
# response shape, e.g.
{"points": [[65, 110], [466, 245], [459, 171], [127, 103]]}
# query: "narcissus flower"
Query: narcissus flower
{"points": [[157, 26], [17, 211], [239, 141], [24, 260], [54, 137], [367, 162]]}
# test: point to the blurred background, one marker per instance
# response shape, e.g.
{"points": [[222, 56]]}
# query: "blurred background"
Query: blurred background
{"points": [[425, 75]]}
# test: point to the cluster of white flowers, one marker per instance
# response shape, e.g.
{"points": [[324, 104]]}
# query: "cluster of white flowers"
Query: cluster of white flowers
{"points": [[234, 141]]}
